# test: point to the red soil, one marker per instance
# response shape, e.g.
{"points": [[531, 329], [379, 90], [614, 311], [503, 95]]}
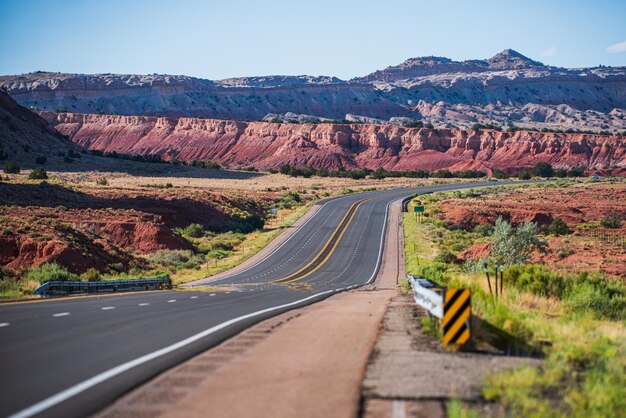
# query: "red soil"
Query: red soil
{"points": [[593, 248]]}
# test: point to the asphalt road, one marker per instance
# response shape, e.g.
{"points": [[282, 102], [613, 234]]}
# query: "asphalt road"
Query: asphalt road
{"points": [[73, 357]]}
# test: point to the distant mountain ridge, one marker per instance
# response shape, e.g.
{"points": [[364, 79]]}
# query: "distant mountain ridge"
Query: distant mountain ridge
{"points": [[506, 89]]}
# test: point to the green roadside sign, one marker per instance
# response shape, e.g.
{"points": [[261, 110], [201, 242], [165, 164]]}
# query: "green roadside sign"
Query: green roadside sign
{"points": [[418, 209]]}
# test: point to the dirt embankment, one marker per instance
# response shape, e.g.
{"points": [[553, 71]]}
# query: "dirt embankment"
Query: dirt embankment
{"points": [[589, 246], [103, 228]]}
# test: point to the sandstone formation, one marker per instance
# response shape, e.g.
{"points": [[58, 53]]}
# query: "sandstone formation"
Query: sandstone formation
{"points": [[507, 88], [265, 145]]}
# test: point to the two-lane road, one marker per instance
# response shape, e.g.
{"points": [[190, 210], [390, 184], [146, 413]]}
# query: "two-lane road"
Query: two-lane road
{"points": [[73, 357]]}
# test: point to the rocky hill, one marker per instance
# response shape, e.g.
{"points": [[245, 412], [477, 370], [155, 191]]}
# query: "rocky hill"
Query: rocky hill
{"points": [[265, 144], [505, 89], [24, 134]]}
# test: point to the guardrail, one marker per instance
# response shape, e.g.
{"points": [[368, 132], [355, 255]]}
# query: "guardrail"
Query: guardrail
{"points": [[452, 307], [49, 289]]}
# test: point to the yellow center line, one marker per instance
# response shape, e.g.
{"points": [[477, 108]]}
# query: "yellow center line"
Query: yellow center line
{"points": [[341, 230]]}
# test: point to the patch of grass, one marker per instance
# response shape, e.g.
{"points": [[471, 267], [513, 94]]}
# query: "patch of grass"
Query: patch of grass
{"points": [[49, 272]]}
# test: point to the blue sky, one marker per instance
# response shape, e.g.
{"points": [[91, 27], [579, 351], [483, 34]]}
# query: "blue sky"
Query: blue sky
{"points": [[219, 39]]}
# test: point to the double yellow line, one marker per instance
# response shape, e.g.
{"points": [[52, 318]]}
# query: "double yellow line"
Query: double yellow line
{"points": [[329, 248]]}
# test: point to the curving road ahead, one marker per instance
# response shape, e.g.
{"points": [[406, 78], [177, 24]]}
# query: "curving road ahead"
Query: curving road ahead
{"points": [[73, 357]]}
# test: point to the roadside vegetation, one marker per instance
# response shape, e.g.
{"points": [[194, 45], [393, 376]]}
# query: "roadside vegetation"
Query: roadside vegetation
{"points": [[575, 321]]}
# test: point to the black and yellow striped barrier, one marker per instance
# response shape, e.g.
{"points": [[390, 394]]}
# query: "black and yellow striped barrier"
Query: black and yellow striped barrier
{"points": [[457, 313]]}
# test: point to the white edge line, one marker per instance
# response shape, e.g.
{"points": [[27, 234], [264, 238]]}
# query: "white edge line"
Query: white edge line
{"points": [[4, 324], [382, 242], [70, 392]]}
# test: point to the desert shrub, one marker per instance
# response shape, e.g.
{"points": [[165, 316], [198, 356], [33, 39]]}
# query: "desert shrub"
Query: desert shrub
{"points": [[168, 186], [28, 287], [558, 227], [446, 256], [560, 172], [499, 174], [322, 172], [611, 220], [249, 224], [435, 271], [484, 230], [41, 160], [9, 287], [102, 181], [193, 231], [443, 174], [49, 272], [523, 175], [178, 259], [284, 169], [543, 170], [513, 245], [217, 254], [576, 172], [227, 241], [38, 173], [91, 275], [537, 279], [10, 167]]}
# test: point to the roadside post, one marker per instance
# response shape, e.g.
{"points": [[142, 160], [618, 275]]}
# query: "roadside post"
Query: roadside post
{"points": [[486, 269], [452, 307], [457, 314]]}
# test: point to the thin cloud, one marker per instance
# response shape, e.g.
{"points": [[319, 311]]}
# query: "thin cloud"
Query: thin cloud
{"points": [[616, 48], [550, 52]]}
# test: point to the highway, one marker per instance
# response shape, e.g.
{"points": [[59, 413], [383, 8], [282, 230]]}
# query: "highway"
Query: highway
{"points": [[73, 357]]}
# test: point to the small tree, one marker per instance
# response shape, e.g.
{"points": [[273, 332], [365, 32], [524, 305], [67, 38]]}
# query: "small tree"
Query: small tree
{"points": [[523, 175], [38, 173], [11, 168], [513, 245], [558, 227], [543, 170]]}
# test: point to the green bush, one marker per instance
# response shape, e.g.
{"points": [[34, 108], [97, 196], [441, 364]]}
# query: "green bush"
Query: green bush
{"points": [[38, 173], [102, 181], [484, 230], [446, 256], [612, 220], [523, 175], [10, 167], [227, 241], [91, 275], [178, 259], [558, 227], [49, 272], [193, 231], [543, 170]]}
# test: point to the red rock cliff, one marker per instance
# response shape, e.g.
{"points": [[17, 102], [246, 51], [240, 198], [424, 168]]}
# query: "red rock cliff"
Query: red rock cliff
{"points": [[264, 145]]}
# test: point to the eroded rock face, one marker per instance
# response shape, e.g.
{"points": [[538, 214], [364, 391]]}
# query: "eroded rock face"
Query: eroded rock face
{"points": [[266, 145]]}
